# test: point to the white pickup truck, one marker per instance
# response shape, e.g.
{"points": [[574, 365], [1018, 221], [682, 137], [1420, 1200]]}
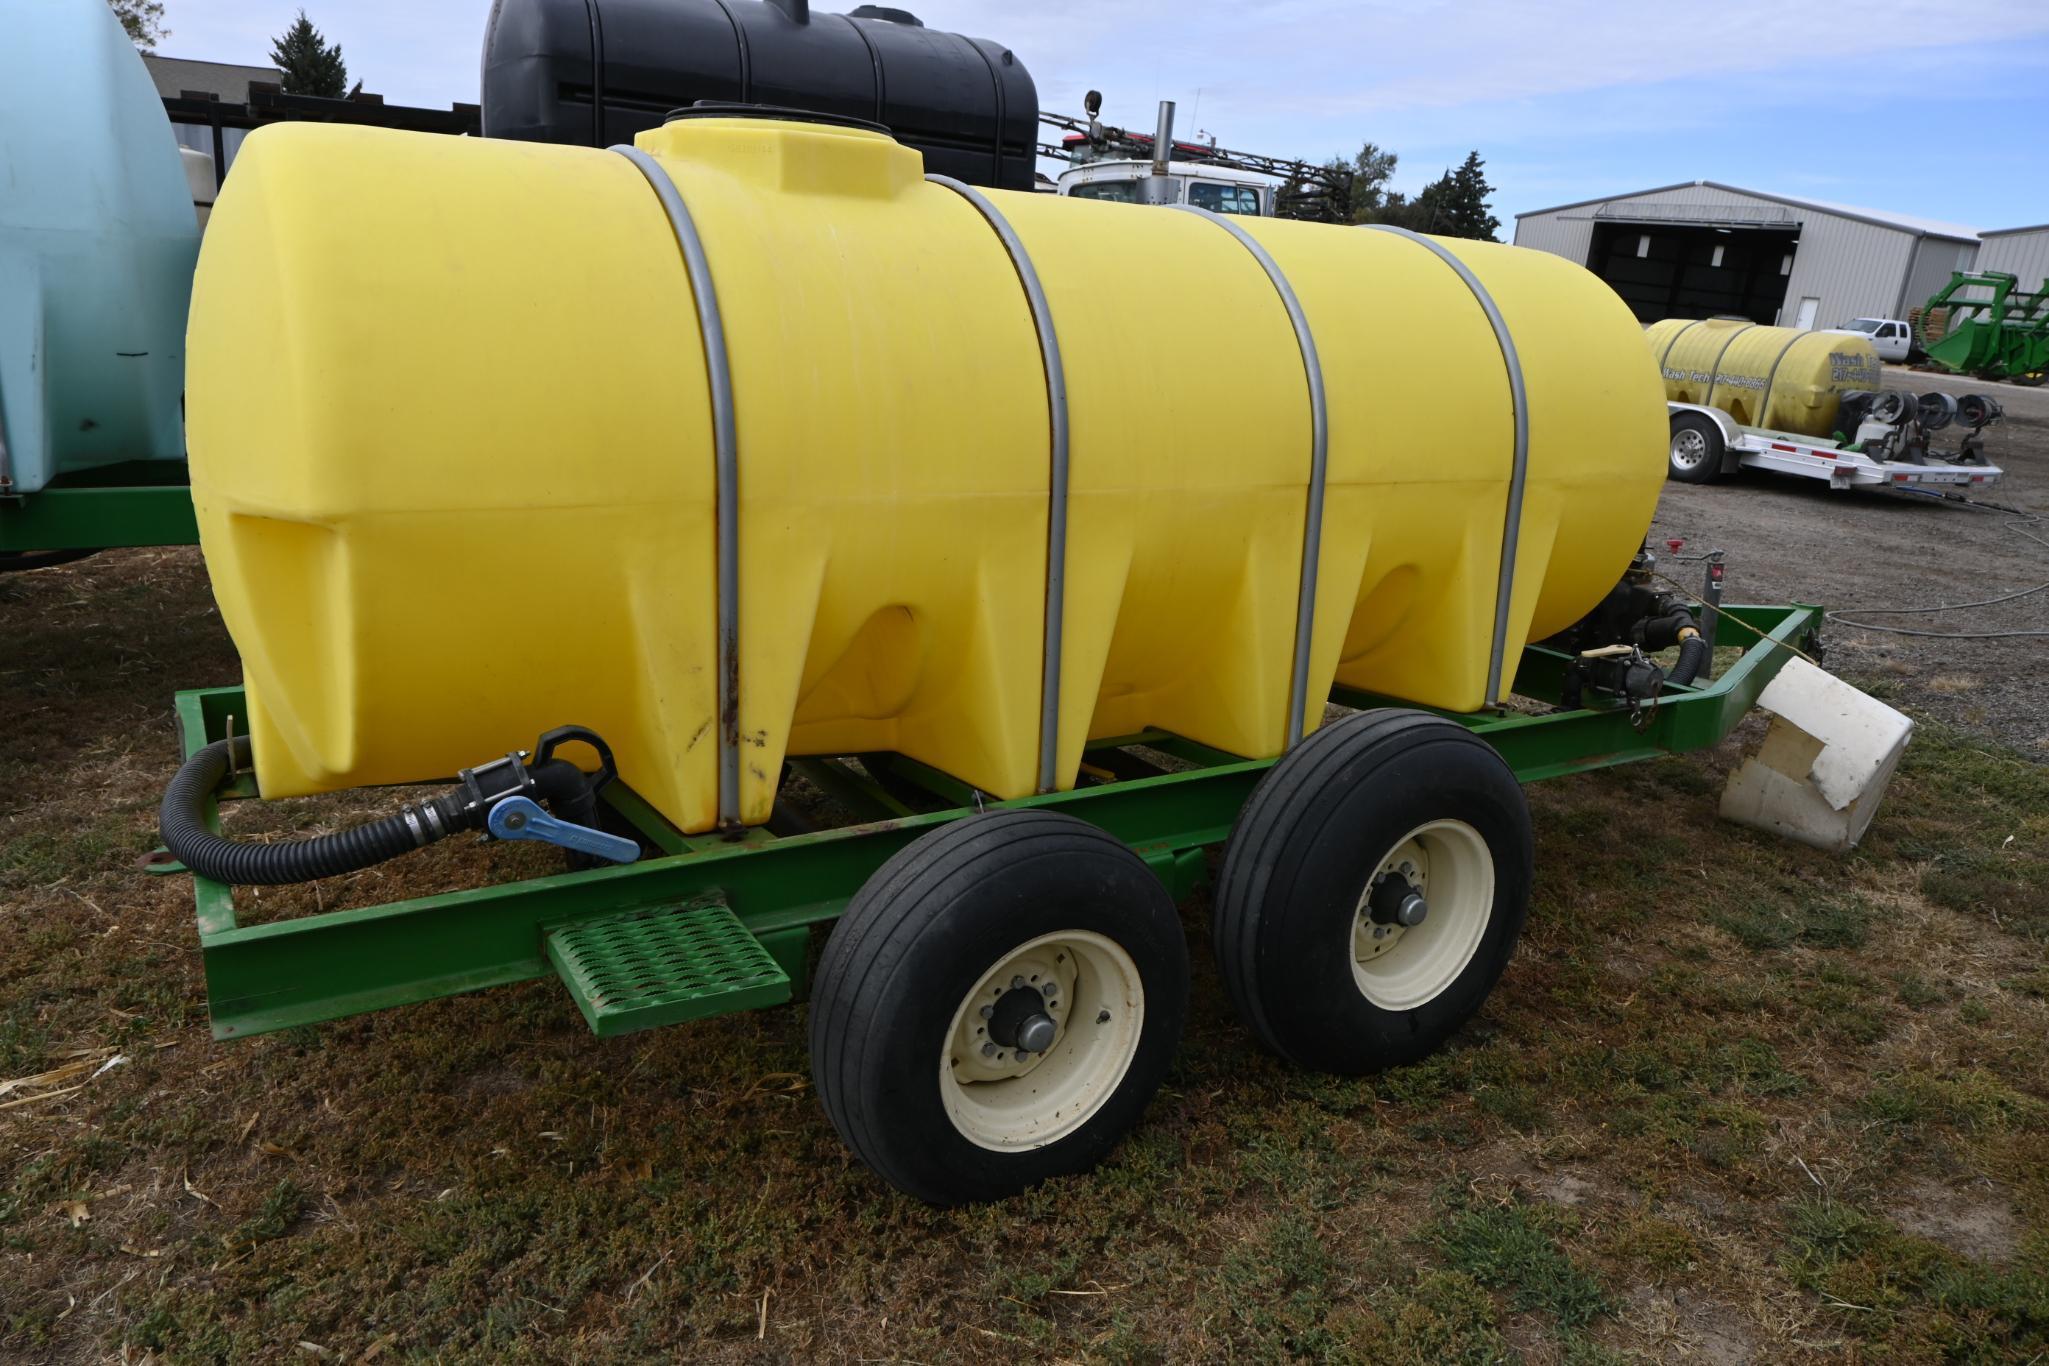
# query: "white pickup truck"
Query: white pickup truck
{"points": [[1892, 339]]}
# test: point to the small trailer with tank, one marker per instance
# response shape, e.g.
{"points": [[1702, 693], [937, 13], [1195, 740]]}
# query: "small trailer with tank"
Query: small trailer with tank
{"points": [[1890, 448], [1788, 401]]}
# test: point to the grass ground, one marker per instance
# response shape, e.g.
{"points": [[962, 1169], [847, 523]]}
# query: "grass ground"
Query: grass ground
{"points": [[1734, 1100]]}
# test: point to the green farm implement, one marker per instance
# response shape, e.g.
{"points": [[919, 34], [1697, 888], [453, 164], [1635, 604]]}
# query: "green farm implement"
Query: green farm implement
{"points": [[1985, 324]]}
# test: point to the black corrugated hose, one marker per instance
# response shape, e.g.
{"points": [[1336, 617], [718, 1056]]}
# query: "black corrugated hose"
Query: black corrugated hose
{"points": [[569, 792], [225, 860], [1693, 653]]}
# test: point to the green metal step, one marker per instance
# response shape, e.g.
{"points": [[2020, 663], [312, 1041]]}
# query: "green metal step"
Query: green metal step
{"points": [[644, 968]]}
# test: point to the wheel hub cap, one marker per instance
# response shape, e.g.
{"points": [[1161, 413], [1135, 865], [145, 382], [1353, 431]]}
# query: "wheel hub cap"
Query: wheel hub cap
{"points": [[1042, 1040], [1422, 914], [1022, 1019], [1020, 1015], [1397, 901]]}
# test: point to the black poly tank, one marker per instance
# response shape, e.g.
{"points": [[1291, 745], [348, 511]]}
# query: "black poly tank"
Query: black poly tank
{"points": [[595, 72]]}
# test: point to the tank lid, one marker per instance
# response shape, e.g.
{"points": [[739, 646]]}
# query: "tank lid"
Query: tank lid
{"points": [[886, 13], [734, 109], [791, 150]]}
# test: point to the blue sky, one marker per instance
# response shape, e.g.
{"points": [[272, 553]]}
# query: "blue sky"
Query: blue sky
{"points": [[1938, 109]]}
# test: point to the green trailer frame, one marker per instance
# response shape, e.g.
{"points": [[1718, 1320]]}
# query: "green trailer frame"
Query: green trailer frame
{"points": [[139, 502], [745, 905]]}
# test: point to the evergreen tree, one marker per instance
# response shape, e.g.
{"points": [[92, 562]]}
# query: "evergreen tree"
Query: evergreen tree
{"points": [[310, 65], [144, 21], [1453, 205], [1463, 202]]}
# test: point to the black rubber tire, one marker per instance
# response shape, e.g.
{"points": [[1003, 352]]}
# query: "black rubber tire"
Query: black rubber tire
{"points": [[912, 945], [1709, 469], [1315, 830]]}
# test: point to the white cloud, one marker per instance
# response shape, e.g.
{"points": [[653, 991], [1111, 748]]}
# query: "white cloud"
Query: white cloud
{"points": [[1530, 84]]}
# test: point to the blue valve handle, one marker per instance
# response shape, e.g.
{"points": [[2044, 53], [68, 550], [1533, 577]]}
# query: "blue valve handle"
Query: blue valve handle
{"points": [[521, 818]]}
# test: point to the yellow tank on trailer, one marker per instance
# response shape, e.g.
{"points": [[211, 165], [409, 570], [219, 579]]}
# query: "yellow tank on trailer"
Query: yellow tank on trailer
{"points": [[462, 455], [1782, 379]]}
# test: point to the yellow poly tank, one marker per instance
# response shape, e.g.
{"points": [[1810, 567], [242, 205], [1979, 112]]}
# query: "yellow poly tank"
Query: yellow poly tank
{"points": [[455, 456], [1782, 379]]}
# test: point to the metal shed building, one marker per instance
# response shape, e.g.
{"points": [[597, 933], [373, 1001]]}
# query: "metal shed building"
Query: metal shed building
{"points": [[1701, 248], [2020, 252]]}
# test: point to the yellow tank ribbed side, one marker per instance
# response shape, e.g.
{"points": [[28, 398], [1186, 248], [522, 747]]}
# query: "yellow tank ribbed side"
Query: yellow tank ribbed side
{"points": [[1782, 379], [892, 453], [443, 506], [453, 460]]}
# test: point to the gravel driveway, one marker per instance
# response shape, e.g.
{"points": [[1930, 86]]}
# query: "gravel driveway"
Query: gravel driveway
{"points": [[1790, 538]]}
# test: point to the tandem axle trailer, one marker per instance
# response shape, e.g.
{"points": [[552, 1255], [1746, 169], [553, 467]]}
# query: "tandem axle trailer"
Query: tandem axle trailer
{"points": [[1007, 980], [1707, 443]]}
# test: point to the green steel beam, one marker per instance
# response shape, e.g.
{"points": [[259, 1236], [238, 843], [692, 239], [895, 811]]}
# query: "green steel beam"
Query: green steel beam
{"points": [[859, 794], [68, 518], [322, 967]]}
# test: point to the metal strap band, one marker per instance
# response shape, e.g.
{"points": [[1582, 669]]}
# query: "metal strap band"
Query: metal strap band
{"points": [[1056, 500], [1319, 461], [1674, 342], [726, 474], [1512, 520], [1764, 400], [1715, 375]]}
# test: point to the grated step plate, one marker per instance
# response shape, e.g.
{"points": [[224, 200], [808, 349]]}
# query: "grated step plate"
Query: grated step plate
{"points": [[644, 968]]}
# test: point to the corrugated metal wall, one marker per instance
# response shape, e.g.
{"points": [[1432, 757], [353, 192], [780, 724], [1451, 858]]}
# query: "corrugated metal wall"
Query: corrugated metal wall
{"points": [[2022, 254], [1569, 234], [1937, 261], [1851, 269]]}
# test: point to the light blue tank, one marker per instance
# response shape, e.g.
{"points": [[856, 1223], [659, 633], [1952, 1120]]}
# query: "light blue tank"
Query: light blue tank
{"points": [[97, 245]]}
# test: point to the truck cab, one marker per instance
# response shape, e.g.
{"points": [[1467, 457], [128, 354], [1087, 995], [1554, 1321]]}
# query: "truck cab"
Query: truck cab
{"points": [[1889, 337], [1220, 189]]}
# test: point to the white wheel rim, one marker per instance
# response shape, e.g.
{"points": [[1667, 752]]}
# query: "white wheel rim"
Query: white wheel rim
{"points": [[1400, 967], [1689, 449], [1007, 1102]]}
